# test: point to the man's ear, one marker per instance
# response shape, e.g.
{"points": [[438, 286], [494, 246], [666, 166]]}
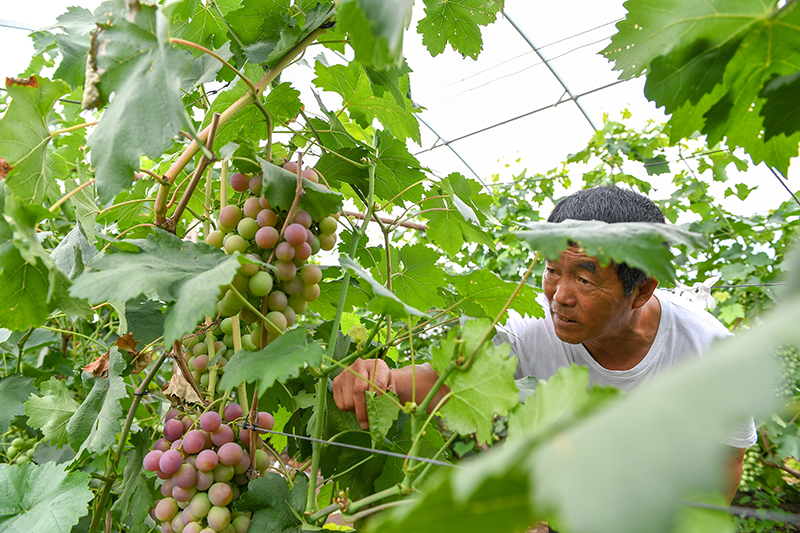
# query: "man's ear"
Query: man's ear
{"points": [[645, 291]]}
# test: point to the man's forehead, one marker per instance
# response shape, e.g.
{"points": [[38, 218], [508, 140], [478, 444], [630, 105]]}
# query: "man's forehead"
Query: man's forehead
{"points": [[577, 259]]}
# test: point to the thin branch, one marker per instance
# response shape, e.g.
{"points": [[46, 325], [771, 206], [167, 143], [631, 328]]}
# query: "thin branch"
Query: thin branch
{"points": [[778, 176], [387, 220], [217, 57], [70, 194]]}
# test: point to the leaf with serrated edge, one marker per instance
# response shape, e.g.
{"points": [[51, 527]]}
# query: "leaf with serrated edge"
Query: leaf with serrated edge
{"points": [[51, 411], [491, 293], [486, 388], [376, 29], [42, 498], [382, 412], [275, 505], [282, 359], [14, 390], [280, 187], [456, 23]]}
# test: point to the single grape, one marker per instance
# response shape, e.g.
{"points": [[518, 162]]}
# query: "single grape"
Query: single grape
{"points": [[267, 237], [220, 494], [232, 301], [277, 322], [229, 453], [194, 441], [193, 527], [161, 445], [205, 479], [200, 505], [188, 518], [315, 245], [248, 317], [284, 270], [173, 413], [242, 464], [256, 184], [170, 462], [178, 526], [187, 423], [247, 228], [183, 494], [229, 216], [310, 274], [239, 182], [185, 477], [262, 459], [249, 269], [277, 301], [215, 238], [200, 349], [302, 252], [295, 234], [235, 243], [327, 242], [291, 316], [284, 252], [244, 437], [310, 292], [223, 473], [297, 303], [241, 524], [218, 518], [260, 284], [222, 435], [150, 461], [310, 175], [267, 218], [173, 430], [247, 342], [166, 488], [206, 460], [303, 218], [219, 347], [328, 225], [232, 412], [252, 207], [228, 340], [210, 421], [205, 379], [293, 286], [166, 509], [201, 363], [291, 166]]}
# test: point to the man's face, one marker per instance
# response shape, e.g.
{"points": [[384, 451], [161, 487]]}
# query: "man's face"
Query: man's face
{"points": [[587, 301]]}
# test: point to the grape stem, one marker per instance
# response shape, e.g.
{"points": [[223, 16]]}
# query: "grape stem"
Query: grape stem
{"points": [[387, 220]]}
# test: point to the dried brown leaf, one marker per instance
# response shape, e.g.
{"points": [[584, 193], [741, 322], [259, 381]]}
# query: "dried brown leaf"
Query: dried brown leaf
{"points": [[179, 391]]}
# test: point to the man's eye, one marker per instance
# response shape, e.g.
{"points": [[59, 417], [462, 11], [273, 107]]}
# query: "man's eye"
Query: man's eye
{"points": [[584, 281]]}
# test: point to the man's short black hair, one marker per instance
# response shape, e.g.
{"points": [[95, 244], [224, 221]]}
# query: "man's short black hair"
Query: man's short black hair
{"points": [[612, 205]]}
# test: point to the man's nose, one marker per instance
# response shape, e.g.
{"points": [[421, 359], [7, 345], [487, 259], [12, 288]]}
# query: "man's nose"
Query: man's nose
{"points": [[565, 294]]}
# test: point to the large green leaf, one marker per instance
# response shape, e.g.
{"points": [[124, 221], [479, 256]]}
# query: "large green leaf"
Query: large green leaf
{"points": [[397, 172], [280, 187], [14, 390], [42, 498], [456, 23], [708, 63], [276, 507], [376, 29], [416, 278], [135, 501], [282, 359], [485, 294], [177, 271], [382, 411], [95, 424], [25, 138], [638, 244], [484, 389], [144, 72], [205, 25], [51, 411], [781, 110], [352, 83], [383, 301]]}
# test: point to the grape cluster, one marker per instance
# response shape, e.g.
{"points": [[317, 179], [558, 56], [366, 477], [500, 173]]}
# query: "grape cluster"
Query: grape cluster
{"points": [[204, 468], [751, 468], [20, 449], [281, 290], [790, 370]]}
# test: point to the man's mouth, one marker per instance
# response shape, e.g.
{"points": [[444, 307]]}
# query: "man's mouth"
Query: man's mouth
{"points": [[563, 319]]}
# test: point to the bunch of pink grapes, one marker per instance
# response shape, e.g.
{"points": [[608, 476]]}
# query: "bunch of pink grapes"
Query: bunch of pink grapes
{"points": [[203, 464], [281, 291]]}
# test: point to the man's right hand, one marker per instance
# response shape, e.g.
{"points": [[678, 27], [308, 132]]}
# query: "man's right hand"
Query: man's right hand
{"points": [[350, 386]]}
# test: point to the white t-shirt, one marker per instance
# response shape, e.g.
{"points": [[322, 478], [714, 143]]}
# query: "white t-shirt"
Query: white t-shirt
{"points": [[684, 333]]}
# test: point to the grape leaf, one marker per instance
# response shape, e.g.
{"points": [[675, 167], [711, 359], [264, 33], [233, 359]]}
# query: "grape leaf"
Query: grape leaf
{"points": [[375, 29], [781, 111], [135, 500], [383, 301], [51, 411], [205, 26], [397, 171], [259, 21], [42, 498], [430, 442], [486, 290], [25, 138], [144, 72], [97, 421], [73, 252], [276, 507], [249, 123], [558, 401], [280, 186], [638, 244], [283, 103], [456, 23], [282, 359], [382, 413], [486, 388], [353, 85], [389, 79], [415, 276], [182, 272], [14, 390]]}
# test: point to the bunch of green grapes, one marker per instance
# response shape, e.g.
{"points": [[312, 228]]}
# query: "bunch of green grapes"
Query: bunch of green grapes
{"points": [[280, 282], [751, 468], [789, 359], [204, 465], [19, 447]]}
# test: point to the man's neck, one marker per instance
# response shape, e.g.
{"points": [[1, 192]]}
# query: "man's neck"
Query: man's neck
{"points": [[630, 345]]}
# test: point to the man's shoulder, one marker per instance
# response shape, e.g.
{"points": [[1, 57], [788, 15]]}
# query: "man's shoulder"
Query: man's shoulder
{"points": [[690, 317]]}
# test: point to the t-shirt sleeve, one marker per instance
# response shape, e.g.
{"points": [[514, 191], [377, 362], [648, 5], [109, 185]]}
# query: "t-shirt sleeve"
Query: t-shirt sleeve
{"points": [[743, 436]]}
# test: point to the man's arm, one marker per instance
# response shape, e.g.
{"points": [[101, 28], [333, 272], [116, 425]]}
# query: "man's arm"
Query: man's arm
{"points": [[733, 473], [350, 386]]}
